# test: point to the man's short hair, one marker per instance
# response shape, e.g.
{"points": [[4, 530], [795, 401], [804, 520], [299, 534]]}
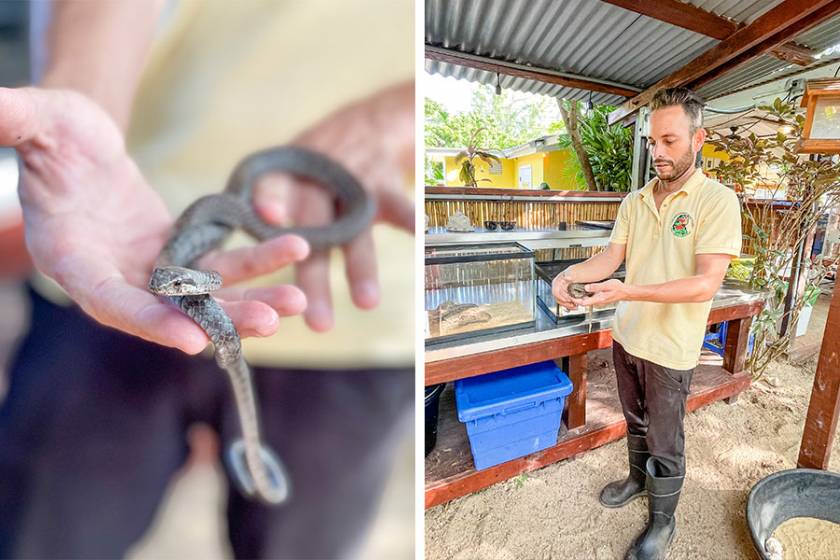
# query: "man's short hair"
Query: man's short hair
{"points": [[691, 103]]}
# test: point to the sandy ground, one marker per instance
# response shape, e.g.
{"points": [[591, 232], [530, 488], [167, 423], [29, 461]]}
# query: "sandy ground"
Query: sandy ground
{"points": [[554, 512], [189, 524]]}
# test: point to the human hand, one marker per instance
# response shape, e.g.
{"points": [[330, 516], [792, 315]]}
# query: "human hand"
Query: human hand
{"points": [[94, 225], [606, 292], [560, 291], [374, 140]]}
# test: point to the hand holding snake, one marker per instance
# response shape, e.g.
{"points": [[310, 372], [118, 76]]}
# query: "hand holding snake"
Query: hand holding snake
{"points": [[204, 226]]}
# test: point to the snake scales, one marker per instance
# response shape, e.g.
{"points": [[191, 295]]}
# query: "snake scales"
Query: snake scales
{"points": [[203, 226]]}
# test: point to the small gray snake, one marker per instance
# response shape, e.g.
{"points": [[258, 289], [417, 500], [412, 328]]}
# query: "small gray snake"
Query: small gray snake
{"points": [[577, 291], [202, 227]]}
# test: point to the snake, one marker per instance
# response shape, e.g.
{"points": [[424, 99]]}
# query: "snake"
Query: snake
{"points": [[578, 291], [203, 226]]}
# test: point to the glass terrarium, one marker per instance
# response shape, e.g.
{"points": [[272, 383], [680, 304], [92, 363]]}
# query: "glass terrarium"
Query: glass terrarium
{"points": [[546, 271], [478, 289]]}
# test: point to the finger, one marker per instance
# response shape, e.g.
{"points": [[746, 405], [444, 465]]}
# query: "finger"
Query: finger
{"points": [[560, 293], [118, 304], [361, 268], [559, 289], [314, 208], [252, 318], [20, 119], [103, 293], [313, 278], [241, 264], [606, 286], [272, 198], [286, 300], [397, 209], [592, 300]]}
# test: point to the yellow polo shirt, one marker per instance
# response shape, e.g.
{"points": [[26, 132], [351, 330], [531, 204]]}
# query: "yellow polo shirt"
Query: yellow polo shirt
{"points": [[702, 217]]}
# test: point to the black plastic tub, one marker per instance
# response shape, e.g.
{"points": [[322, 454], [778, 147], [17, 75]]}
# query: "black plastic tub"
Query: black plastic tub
{"points": [[432, 405], [788, 494]]}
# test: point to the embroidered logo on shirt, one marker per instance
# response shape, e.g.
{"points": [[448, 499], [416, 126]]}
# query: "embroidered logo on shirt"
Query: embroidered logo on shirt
{"points": [[682, 224]]}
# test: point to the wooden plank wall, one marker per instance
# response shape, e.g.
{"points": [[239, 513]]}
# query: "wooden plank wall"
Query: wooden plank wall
{"points": [[538, 214], [541, 213]]}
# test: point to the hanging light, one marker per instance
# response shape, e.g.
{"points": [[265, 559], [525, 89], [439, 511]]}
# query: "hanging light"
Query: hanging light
{"points": [[821, 133], [498, 85]]}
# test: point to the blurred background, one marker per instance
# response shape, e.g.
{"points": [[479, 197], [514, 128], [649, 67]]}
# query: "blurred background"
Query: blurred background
{"points": [[189, 524]]}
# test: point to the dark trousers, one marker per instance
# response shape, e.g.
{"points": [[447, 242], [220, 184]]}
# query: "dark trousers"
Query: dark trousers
{"points": [[653, 402], [94, 427]]}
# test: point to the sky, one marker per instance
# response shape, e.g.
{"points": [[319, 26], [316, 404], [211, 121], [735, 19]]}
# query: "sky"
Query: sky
{"points": [[456, 95]]}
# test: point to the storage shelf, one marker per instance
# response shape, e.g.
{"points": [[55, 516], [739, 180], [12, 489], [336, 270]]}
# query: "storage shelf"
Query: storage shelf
{"points": [[449, 467]]}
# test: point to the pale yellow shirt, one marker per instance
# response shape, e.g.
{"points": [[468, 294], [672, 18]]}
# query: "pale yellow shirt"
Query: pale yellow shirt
{"points": [[702, 217], [227, 78]]}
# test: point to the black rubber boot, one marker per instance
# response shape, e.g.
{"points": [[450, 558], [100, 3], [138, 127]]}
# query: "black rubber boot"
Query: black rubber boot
{"points": [[621, 492], [663, 496]]}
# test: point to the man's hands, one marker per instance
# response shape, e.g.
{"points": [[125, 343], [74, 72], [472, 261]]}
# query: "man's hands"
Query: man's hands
{"points": [[560, 291], [95, 226], [604, 293], [374, 140]]}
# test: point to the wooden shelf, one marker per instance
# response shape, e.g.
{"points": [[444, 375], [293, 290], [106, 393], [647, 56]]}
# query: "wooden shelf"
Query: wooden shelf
{"points": [[592, 413], [449, 467]]}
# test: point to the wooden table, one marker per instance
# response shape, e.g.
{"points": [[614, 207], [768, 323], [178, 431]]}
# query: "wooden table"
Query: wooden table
{"points": [[589, 422]]}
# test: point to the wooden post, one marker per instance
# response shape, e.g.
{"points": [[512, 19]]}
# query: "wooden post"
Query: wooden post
{"points": [[735, 346], [575, 367], [821, 420]]}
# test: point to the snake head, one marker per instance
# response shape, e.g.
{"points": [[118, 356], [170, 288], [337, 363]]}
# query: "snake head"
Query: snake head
{"points": [[180, 281]]}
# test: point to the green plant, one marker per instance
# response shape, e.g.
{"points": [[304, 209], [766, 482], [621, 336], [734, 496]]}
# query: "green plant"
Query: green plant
{"points": [[609, 149], [466, 157], [811, 186], [434, 173]]}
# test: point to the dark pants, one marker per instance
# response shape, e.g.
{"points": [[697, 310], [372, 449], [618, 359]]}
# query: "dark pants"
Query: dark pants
{"points": [[653, 402], [94, 427]]}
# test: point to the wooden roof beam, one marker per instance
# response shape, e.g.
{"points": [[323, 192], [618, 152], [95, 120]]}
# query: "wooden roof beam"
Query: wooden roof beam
{"points": [[682, 15], [796, 54], [774, 28], [529, 72]]}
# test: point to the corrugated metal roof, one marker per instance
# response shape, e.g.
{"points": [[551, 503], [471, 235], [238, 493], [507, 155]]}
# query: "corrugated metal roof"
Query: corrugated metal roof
{"points": [[764, 67], [519, 84], [584, 37], [741, 11], [593, 39]]}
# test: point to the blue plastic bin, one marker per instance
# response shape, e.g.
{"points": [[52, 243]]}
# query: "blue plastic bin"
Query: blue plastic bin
{"points": [[512, 413]]}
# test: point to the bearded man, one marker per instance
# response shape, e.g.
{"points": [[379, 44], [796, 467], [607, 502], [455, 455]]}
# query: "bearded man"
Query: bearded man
{"points": [[677, 235]]}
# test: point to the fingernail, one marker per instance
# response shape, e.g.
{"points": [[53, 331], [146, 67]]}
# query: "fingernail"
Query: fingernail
{"points": [[269, 326], [366, 294]]}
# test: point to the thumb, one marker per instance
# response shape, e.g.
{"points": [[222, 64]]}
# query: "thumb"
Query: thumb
{"points": [[20, 119], [595, 288]]}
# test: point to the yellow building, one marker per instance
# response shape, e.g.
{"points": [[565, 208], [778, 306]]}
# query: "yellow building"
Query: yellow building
{"points": [[526, 166], [529, 165]]}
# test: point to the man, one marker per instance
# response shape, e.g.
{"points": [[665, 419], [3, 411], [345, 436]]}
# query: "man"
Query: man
{"points": [[677, 236], [142, 108]]}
